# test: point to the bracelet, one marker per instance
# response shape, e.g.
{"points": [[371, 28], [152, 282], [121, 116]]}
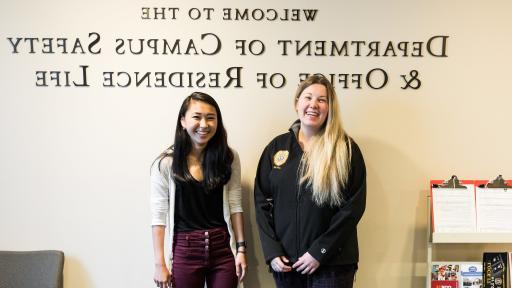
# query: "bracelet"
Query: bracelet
{"points": [[243, 252], [241, 244]]}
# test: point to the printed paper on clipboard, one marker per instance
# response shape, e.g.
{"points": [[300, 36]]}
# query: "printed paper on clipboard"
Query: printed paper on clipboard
{"points": [[494, 205], [453, 208]]}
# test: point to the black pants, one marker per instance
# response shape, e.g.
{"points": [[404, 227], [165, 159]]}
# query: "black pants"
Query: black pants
{"points": [[325, 277]]}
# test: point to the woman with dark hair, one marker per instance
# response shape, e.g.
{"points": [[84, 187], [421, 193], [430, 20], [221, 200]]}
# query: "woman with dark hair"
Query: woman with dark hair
{"points": [[310, 193], [196, 194]]}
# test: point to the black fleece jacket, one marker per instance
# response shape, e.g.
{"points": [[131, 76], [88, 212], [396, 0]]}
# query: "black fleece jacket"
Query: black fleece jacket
{"points": [[290, 223]]}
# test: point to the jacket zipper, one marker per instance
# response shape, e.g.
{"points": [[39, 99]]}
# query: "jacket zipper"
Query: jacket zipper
{"points": [[297, 220]]}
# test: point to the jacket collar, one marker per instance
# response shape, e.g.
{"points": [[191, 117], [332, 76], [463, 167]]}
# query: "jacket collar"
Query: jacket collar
{"points": [[295, 128]]}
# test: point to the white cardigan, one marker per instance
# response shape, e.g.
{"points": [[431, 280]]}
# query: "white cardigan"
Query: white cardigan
{"points": [[163, 193]]}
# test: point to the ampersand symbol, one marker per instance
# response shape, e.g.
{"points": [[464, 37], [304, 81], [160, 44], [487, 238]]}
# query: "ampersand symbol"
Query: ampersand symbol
{"points": [[413, 82]]}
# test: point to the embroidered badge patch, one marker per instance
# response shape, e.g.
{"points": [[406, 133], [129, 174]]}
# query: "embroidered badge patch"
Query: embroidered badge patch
{"points": [[280, 157]]}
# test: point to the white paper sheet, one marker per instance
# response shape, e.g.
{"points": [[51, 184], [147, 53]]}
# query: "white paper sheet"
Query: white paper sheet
{"points": [[494, 209], [454, 209]]}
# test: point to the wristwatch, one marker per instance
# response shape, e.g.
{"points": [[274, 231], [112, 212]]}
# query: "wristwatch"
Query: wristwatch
{"points": [[241, 244]]}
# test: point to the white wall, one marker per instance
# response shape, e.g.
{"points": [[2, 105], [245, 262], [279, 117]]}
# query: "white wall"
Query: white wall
{"points": [[75, 161]]}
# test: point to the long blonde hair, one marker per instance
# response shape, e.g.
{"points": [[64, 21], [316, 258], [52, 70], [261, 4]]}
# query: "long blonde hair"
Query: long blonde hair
{"points": [[326, 166]]}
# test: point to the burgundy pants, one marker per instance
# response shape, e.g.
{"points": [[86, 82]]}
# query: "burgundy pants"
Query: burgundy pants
{"points": [[203, 256]]}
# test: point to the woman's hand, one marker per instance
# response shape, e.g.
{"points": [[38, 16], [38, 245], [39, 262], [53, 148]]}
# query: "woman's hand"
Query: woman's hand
{"points": [[280, 264], [306, 264], [241, 265], [162, 276]]}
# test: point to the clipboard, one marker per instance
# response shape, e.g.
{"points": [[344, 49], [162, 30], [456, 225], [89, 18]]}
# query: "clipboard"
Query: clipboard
{"points": [[452, 204], [494, 205]]}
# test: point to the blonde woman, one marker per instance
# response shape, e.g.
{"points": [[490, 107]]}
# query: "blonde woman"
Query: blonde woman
{"points": [[310, 193]]}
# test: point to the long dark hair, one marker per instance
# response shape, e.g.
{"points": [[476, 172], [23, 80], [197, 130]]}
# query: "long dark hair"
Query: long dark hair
{"points": [[217, 157]]}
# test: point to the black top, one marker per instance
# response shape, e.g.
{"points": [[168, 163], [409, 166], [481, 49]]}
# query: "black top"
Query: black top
{"points": [[197, 209], [290, 222]]}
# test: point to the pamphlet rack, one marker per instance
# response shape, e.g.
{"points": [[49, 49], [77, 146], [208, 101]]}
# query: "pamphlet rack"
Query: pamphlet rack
{"points": [[434, 238]]}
